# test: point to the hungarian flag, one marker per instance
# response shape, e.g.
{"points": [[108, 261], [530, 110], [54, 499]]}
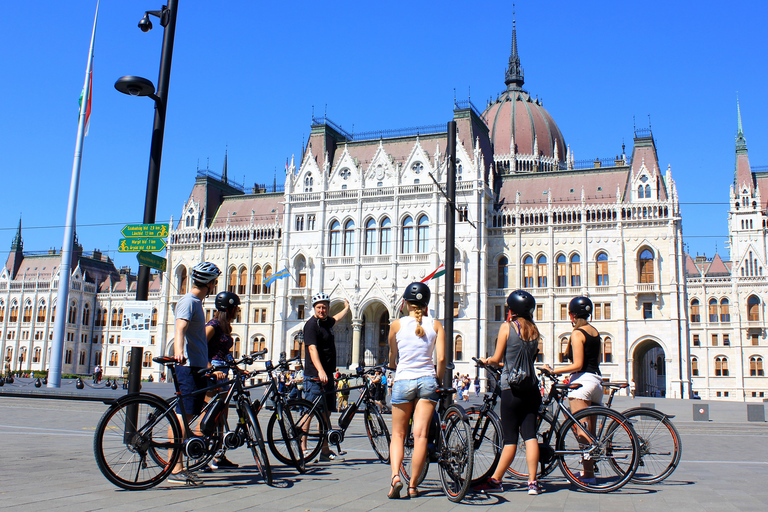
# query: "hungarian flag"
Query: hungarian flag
{"points": [[438, 272], [88, 103]]}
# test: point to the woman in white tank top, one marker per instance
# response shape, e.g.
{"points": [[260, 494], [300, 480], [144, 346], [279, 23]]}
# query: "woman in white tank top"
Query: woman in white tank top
{"points": [[413, 341]]}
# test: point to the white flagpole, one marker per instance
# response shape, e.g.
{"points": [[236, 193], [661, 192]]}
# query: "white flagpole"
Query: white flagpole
{"points": [[59, 330]]}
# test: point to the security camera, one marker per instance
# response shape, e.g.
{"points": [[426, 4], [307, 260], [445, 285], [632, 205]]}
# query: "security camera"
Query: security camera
{"points": [[145, 25]]}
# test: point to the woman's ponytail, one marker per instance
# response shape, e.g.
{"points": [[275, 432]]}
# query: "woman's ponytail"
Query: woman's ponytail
{"points": [[419, 313]]}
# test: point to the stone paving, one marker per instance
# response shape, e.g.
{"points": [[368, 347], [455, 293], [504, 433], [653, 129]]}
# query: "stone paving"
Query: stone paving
{"points": [[48, 464]]}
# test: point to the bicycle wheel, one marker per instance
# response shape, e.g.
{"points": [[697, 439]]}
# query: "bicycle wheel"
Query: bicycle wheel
{"points": [[302, 430], [256, 442], [613, 455], [518, 469], [488, 442], [378, 433], [124, 447], [455, 454], [406, 465], [660, 445]]}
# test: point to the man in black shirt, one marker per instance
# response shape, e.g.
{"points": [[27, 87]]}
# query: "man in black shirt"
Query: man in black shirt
{"points": [[320, 359]]}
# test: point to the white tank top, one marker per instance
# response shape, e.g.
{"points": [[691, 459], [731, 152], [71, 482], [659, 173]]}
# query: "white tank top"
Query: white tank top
{"points": [[415, 353]]}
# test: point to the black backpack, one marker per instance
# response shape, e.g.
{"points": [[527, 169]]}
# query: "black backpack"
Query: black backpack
{"points": [[522, 373]]}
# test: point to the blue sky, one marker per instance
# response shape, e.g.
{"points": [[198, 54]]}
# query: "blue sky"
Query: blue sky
{"points": [[247, 75]]}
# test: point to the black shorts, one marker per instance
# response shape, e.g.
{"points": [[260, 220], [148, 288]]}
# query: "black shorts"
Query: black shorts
{"points": [[518, 414], [313, 389], [190, 380]]}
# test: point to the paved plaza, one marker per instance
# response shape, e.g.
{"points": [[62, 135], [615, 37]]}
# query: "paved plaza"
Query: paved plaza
{"points": [[48, 464]]}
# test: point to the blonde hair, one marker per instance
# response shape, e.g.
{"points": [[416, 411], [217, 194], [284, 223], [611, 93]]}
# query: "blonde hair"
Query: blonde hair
{"points": [[528, 329], [418, 313], [579, 322]]}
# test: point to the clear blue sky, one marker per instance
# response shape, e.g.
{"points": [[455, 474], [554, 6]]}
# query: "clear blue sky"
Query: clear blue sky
{"points": [[247, 74]]}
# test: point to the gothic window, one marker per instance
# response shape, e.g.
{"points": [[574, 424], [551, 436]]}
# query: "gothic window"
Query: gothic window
{"points": [[528, 272], [72, 318], [146, 361], [299, 223], [503, 279], [721, 366], [345, 174], [575, 270], [267, 274], [607, 350], [36, 355], [647, 191], [386, 235], [458, 348], [640, 192], [334, 247], [153, 322], [113, 358], [370, 237], [308, 182], [257, 280], [695, 315], [349, 238], [725, 311], [181, 284], [756, 366], [40, 312], [311, 222], [753, 309], [646, 266], [459, 170], [713, 310], [13, 317], [407, 244], [417, 168], [602, 269], [563, 356], [694, 367], [423, 234], [232, 281], [86, 315], [242, 281], [2, 311], [27, 317], [541, 271], [562, 277]]}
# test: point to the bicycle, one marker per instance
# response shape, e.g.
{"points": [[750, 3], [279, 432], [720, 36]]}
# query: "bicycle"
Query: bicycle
{"points": [[448, 445], [139, 440], [660, 445], [611, 447], [486, 429], [314, 428]]}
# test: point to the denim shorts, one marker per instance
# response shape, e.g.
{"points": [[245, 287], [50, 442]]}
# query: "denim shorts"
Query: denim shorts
{"points": [[190, 380], [404, 391], [313, 389]]}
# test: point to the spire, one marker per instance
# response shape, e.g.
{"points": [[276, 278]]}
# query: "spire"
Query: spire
{"points": [[224, 170], [17, 245], [742, 174], [514, 75], [741, 142]]}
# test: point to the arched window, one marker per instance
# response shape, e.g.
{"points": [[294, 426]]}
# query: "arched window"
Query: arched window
{"points": [[528, 272], [646, 267], [297, 346], [563, 356], [386, 236], [236, 348], [72, 318], [259, 343], [756, 366], [541, 271], [113, 358], [153, 322], [607, 350], [721, 366], [104, 314], [370, 237], [349, 238], [694, 367], [120, 316], [266, 290], [257, 280], [308, 182], [640, 193], [23, 355], [68, 356], [407, 245], [242, 281], [561, 271], [753, 309], [53, 314], [458, 347], [602, 269], [423, 235], [503, 279], [2, 311], [146, 361], [647, 191], [86, 315], [695, 314], [36, 355], [725, 310], [13, 317], [713, 310], [181, 284], [334, 246], [232, 281], [540, 353], [41, 310], [575, 270], [27, 317]]}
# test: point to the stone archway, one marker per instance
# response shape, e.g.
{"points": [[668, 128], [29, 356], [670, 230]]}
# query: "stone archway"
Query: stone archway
{"points": [[342, 335], [374, 334], [649, 369]]}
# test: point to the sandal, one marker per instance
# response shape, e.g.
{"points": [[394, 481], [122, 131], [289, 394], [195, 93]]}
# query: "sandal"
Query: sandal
{"points": [[394, 492], [413, 492]]}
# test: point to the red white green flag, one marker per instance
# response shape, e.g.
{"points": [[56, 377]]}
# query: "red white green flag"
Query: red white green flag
{"points": [[438, 272]]}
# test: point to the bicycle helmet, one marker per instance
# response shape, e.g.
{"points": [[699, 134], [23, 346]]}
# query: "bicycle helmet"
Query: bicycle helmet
{"points": [[321, 297], [522, 304], [580, 307], [226, 301], [417, 293], [204, 272]]}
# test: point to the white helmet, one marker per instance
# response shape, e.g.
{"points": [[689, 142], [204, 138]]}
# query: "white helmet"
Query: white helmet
{"points": [[204, 272], [320, 297]]}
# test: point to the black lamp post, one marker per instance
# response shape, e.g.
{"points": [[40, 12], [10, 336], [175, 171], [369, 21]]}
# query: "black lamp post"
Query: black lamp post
{"points": [[137, 86]]}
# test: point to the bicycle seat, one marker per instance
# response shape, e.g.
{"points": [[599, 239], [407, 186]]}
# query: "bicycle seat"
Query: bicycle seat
{"points": [[165, 360], [563, 387], [616, 385]]}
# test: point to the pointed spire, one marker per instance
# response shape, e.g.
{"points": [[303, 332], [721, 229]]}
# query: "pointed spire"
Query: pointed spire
{"points": [[224, 170], [514, 75], [741, 142], [17, 245]]}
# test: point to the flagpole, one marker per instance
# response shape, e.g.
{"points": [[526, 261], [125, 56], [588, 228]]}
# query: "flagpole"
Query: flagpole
{"points": [[57, 346]]}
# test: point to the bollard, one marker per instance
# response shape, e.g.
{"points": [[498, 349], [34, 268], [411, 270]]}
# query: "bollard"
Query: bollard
{"points": [[700, 412], [79, 384], [114, 385], [756, 412], [2, 381], [38, 383]]}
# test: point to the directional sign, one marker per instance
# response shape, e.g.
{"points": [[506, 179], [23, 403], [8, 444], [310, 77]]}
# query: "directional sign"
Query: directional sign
{"points": [[150, 260], [141, 244], [145, 231]]}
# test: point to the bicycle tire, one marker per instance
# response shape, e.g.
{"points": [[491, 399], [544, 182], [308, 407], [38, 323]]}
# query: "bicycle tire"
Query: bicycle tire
{"points": [[547, 431], [130, 464], [256, 442], [281, 447], [406, 464], [378, 433], [616, 443], [455, 453], [488, 443], [660, 445]]}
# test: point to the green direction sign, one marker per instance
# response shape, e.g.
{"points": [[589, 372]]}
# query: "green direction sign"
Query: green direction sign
{"points": [[150, 260], [141, 244], [145, 231]]}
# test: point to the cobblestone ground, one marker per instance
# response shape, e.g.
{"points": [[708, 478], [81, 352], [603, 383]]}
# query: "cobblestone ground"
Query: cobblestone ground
{"points": [[48, 464]]}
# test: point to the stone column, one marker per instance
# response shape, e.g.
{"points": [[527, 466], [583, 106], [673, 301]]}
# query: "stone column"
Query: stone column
{"points": [[356, 327]]}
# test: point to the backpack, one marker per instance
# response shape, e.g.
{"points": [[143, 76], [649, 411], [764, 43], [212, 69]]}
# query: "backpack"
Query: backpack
{"points": [[522, 373]]}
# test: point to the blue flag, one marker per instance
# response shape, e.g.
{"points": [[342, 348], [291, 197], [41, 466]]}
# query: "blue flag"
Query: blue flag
{"points": [[274, 277]]}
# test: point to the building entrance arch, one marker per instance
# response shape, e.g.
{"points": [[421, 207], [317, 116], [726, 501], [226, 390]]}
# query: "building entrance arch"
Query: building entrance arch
{"points": [[649, 369]]}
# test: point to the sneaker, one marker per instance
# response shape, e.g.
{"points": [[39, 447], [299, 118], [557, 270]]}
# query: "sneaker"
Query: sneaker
{"points": [[587, 481], [185, 478], [222, 463], [534, 488], [329, 457], [489, 485]]}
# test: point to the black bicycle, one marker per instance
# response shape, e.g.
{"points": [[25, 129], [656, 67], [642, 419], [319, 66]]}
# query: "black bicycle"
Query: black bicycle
{"points": [[139, 440], [486, 428], [314, 429]]}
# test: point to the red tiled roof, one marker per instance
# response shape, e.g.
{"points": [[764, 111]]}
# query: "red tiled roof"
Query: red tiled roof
{"points": [[238, 210], [717, 267], [600, 186]]}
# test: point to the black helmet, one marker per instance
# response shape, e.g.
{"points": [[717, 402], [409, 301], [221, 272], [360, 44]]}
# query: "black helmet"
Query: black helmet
{"points": [[580, 307], [417, 293], [521, 303], [226, 301]]}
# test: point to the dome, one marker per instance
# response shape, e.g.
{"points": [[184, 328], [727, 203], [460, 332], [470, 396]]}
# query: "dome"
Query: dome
{"points": [[516, 118]]}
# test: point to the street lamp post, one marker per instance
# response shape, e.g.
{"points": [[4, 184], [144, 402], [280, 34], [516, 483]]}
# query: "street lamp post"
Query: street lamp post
{"points": [[137, 86]]}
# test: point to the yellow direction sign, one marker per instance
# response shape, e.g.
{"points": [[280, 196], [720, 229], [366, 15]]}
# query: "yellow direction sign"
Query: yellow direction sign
{"points": [[150, 260], [145, 231], [141, 244]]}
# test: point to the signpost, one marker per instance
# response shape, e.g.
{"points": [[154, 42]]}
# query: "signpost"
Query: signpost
{"points": [[141, 244], [150, 260], [145, 231]]}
